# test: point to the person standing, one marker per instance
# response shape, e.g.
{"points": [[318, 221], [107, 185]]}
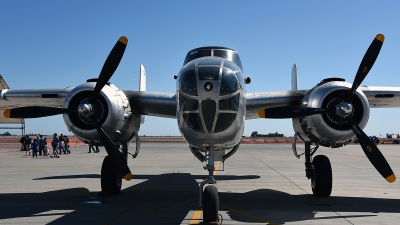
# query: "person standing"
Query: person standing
{"points": [[91, 147], [35, 148], [28, 142], [62, 144], [38, 140], [66, 142], [97, 148], [55, 144], [22, 141], [45, 148], [375, 140]]}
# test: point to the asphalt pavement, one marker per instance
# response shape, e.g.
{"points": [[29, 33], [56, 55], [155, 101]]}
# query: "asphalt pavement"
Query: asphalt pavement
{"points": [[260, 184]]}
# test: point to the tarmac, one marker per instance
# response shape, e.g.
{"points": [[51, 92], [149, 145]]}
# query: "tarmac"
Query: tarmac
{"points": [[260, 184]]}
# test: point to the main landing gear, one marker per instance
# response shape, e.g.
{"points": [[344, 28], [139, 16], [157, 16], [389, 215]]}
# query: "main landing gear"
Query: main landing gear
{"points": [[208, 199], [319, 170], [111, 179]]}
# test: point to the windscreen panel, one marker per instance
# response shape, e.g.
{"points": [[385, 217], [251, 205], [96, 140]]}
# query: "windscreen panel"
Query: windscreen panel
{"points": [[229, 82], [208, 73], [188, 84]]}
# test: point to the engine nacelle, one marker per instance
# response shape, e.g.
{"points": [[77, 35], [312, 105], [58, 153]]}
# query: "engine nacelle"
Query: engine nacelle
{"points": [[329, 129], [111, 109]]}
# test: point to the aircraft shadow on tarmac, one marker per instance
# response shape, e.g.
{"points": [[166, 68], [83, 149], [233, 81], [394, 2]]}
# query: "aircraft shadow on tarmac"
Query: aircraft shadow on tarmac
{"points": [[168, 198]]}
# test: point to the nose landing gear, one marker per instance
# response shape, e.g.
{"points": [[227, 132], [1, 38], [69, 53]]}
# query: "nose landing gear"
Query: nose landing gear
{"points": [[208, 199]]}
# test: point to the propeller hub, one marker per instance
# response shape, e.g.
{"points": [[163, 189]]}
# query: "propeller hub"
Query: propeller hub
{"points": [[85, 109], [344, 109]]}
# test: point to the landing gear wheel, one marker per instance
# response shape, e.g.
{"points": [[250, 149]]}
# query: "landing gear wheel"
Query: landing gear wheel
{"points": [[321, 182], [111, 181], [210, 204]]}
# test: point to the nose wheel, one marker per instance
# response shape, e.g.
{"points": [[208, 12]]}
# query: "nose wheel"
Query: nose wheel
{"points": [[210, 204]]}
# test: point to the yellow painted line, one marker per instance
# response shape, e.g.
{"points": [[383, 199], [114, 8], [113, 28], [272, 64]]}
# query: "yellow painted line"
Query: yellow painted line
{"points": [[199, 212], [216, 168], [196, 216], [247, 215]]}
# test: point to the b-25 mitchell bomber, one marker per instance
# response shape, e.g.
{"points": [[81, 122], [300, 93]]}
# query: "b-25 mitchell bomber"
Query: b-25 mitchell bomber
{"points": [[211, 106]]}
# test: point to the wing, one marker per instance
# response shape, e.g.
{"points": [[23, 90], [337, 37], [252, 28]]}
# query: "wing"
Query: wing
{"points": [[144, 103], [382, 97], [51, 97], [264, 100], [152, 103]]}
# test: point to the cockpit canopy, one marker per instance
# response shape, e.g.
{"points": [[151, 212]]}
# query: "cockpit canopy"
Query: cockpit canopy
{"points": [[215, 51]]}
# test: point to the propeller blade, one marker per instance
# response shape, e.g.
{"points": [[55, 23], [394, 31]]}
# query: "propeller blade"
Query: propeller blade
{"points": [[372, 152], [292, 112], [113, 151], [110, 65], [366, 64], [35, 112]]}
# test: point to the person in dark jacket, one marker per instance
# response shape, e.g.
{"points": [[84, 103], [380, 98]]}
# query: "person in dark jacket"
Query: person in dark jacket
{"points": [[28, 142], [35, 148]]}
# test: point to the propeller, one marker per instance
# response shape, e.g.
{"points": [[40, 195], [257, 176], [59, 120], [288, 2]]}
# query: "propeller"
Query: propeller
{"points": [[110, 65], [366, 64], [35, 112], [86, 109], [345, 109], [372, 152]]}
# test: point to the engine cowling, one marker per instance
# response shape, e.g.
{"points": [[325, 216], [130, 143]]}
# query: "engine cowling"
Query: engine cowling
{"points": [[111, 109], [331, 130]]}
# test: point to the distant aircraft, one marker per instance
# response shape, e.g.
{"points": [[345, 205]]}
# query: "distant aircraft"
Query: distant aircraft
{"points": [[211, 105]]}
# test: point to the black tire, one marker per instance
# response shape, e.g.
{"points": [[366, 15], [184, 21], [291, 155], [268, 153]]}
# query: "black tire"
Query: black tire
{"points": [[111, 181], [210, 204], [321, 182]]}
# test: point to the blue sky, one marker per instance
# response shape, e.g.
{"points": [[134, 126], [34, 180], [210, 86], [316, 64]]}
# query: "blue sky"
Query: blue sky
{"points": [[62, 43]]}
